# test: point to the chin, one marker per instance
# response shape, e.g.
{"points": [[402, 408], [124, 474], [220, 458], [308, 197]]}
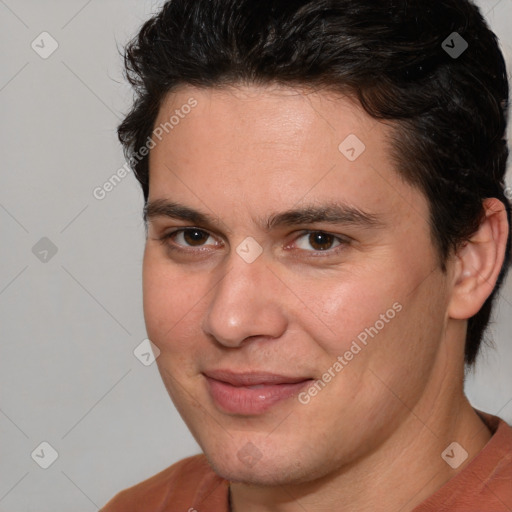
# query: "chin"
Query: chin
{"points": [[261, 474], [271, 470]]}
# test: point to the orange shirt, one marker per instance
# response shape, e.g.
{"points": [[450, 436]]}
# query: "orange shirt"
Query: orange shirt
{"points": [[190, 485]]}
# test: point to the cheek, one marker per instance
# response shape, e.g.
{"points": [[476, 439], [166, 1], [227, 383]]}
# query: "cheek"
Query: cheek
{"points": [[172, 301], [347, 308]]}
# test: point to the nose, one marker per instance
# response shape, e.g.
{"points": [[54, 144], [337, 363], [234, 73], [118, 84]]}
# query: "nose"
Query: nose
{"points": [[246, 304]]}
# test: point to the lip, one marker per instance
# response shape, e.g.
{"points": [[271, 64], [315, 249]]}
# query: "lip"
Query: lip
{"points": [[236, 393]]}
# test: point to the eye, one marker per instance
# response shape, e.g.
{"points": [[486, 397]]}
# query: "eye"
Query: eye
{"points": [[189, 237], [319, 241]]}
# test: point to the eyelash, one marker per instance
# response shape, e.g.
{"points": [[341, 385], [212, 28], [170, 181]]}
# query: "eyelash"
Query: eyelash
{"points": [[343, 242]]}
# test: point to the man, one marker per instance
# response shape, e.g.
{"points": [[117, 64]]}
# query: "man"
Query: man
{"points": [[327, 229]]}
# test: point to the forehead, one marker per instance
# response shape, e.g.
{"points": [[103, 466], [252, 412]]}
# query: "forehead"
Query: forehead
{"points": [[269, 113], [261, 147], [261, 129]]}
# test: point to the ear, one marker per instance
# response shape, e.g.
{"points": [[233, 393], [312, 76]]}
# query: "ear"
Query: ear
{"points": [[478, 263]]}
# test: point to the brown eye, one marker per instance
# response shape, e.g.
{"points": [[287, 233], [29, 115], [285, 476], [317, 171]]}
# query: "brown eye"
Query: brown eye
{"points": [[321, 241], [189, 237], [318, 241], [195, 237]]}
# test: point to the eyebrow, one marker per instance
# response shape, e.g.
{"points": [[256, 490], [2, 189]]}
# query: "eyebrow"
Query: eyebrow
{"points": [[330, 213]]}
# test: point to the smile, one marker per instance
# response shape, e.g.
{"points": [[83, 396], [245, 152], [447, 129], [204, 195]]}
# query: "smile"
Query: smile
{"points": [[251, 393]]}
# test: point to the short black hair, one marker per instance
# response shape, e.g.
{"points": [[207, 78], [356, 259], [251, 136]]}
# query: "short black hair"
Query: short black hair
{"points": [[403, 60]]}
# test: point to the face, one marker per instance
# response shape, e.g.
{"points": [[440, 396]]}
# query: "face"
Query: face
{"points": [[290, 281]]}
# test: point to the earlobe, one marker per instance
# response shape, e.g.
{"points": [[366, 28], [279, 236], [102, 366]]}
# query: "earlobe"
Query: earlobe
{"points": [[479, 262]]}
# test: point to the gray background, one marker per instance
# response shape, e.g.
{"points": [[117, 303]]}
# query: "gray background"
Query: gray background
{"points": [[69, 325]]}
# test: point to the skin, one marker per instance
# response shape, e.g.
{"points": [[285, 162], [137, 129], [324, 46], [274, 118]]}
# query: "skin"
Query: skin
{"points": [[372, 438]]}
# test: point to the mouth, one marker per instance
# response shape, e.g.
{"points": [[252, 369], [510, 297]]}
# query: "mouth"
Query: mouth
{"points": [[251, 393]]}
